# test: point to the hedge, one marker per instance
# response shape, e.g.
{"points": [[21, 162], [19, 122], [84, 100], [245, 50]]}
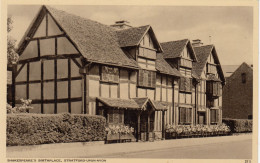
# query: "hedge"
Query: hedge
{"points": [[239, 125], [32, 129]]}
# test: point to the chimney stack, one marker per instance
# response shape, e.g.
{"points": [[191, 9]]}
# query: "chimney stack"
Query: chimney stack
{"points": [[121, 24], [196, 43]]}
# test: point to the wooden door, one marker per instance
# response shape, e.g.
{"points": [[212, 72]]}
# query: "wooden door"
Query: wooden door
{"points": [[202, 118]]}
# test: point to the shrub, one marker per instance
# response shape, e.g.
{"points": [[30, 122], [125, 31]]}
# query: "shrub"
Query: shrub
{"points": [[196, 130], [25, 107], [239, 125], [32, 129]]}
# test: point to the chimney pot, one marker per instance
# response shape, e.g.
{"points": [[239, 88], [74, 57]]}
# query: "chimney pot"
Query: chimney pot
{"points": [[196, 43], [121, 24]]}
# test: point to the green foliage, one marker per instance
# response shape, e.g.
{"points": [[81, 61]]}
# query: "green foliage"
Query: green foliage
{"points": [[25, 107], [33, 129], [121, 129], [12, 56], [239, 125], [196, 130]]}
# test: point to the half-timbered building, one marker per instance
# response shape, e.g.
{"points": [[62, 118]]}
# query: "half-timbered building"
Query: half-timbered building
{"points": [[76, 65], [209, 87]]}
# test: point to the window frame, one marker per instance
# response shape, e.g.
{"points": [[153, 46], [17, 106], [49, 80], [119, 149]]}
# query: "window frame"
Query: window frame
{"points": [[243, 78], [216, 118], [111, 112], [152, 79], [187, 121], [181, 85], [109, 74]]}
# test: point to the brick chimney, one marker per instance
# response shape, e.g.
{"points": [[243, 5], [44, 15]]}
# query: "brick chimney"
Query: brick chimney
{"points": [[121, 24], [196, 43]]}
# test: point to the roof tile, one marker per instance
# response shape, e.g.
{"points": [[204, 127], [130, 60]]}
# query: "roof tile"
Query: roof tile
{"points": [[96, 42]]}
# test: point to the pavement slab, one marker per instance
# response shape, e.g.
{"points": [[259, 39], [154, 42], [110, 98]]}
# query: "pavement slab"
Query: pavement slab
{"points": [[85, 150]]}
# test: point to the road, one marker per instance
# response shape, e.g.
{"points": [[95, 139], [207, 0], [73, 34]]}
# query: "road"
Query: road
{"points": [[229, 150]]}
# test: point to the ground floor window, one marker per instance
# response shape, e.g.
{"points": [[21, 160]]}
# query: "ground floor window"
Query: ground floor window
{"points": [[115, 116], [185, 115], [214, 116]]}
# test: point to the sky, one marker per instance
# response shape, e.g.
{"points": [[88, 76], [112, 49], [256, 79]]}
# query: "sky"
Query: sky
{"points": [[229, 28]]}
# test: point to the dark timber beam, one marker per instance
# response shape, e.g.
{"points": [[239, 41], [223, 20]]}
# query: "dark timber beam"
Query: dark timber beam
{"points": [[55, 78], [42, 95], [50, 57], [163, 126], [138, 133], [69, 84], [14, 69]]}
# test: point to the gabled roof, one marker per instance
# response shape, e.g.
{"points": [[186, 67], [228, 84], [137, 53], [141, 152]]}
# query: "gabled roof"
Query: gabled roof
{"points": [[173, 49], [134, 103], [131, 36], [95, 41], [202, 53], [244, 64], [134, 35], [163, 67], [229, 69]]}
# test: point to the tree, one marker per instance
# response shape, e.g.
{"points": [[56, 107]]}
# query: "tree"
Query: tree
{"points": [[12, 56]]}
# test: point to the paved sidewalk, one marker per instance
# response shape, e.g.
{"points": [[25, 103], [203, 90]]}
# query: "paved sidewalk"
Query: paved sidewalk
{"points": [[76, 150]]}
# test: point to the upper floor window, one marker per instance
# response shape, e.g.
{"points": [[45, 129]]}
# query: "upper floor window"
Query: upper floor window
{"points": [[147, 53], [146, 63], [186, 84], [185, 72], [146, 78], [214, 89], [211, 68], [110, 74], [243, 77], [186, 63]]}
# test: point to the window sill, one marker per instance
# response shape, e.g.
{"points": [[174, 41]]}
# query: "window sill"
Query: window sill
{"points": [[109, 82], [145, 87], [181, 91]]}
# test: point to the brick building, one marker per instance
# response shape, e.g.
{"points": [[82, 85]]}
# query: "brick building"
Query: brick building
{"points": [[238, 93]]}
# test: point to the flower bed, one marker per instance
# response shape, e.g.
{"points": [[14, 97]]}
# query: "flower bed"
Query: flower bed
{"points": [[119, 133], [182, 131]]}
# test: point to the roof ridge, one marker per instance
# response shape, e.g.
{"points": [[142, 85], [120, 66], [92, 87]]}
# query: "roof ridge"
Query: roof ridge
{"points": [[132, 28], [78, 16], [174, 41]]}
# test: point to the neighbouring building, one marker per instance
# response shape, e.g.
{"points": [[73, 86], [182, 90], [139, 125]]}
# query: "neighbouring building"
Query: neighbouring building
{"points": [[238, 93], [72, 64]]}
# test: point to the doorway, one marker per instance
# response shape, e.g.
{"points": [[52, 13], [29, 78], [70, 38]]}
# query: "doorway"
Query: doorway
{"points": [[202, 118]]}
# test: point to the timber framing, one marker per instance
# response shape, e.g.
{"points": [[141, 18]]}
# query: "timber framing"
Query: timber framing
{"points": [[61, 65]]}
